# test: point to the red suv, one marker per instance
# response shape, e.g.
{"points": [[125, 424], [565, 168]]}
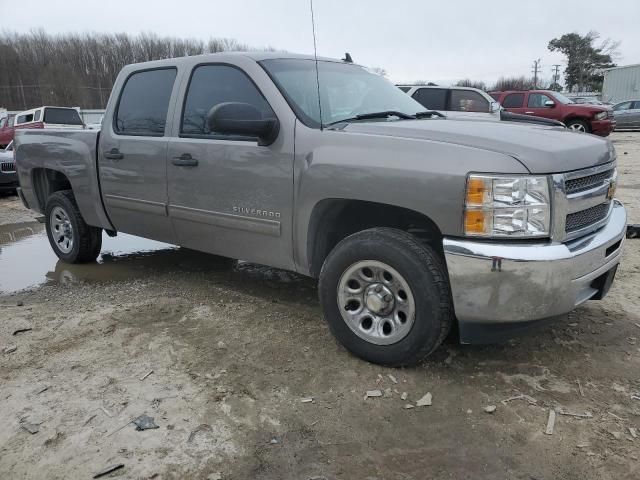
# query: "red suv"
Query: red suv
{"points": [[6, 130], [594, 119]]}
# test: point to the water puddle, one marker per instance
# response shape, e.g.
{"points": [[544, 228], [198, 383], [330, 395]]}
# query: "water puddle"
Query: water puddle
{"points": [[26, 260]]}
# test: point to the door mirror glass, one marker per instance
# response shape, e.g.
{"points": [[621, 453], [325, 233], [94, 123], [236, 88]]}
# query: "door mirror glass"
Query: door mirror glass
{"points": [[495, 107], [549, 104], [243, 119]]}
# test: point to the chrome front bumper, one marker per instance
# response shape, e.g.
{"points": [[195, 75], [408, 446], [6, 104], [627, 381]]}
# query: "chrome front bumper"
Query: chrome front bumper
{"points": [[501, 283]]}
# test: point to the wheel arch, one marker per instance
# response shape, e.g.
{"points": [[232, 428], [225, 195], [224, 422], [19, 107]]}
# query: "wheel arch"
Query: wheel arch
{"points": [[334, 219], [46, 181]]}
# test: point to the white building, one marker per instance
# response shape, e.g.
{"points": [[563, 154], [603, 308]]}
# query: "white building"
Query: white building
{"points": [[621, 83]]}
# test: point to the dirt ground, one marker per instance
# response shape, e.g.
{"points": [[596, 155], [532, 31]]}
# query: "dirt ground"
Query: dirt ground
{"points": [[235, 348]]}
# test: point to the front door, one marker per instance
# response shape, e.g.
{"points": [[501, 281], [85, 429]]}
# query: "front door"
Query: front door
{"points": [[536, 105], [229, 195], [132, 156]]}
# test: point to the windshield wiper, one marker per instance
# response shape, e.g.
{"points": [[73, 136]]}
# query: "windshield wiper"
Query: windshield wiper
{"points": [[373, 115], [429, 114]]}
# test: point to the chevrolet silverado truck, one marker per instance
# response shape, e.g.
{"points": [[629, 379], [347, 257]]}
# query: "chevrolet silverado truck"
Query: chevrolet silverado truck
{"points": [[411, 222]]}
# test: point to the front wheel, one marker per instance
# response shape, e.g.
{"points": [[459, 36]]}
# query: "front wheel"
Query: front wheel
{"points": [[386, 296], [71, 239], [578, 126]]}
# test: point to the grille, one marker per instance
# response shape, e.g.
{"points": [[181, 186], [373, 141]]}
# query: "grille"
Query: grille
{"points": [[584, 218], [582, 184], [8, 167]]}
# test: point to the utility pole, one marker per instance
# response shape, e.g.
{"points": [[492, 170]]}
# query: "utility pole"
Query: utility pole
{"points": [[536, 69], [556, 74]]}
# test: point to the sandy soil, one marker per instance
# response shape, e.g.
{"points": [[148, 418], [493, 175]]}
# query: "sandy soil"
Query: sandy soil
{"points": [[235, 348]]}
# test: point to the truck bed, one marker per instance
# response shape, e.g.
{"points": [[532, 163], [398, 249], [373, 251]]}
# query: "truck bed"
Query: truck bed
{"points": [[71, 153]]}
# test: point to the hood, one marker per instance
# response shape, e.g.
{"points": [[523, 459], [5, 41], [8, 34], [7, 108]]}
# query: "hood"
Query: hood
{"points": [[588, 107], [540, 148]]}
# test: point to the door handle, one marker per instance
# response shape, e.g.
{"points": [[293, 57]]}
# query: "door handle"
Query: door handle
{"points": [[185, 160], [113, 154], [529, 113]]}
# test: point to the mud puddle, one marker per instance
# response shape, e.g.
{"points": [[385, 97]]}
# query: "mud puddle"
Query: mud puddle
{"points": [[27, 260]]}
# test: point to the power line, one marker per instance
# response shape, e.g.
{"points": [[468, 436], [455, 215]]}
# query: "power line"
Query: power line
{"points": [[556, 73]]}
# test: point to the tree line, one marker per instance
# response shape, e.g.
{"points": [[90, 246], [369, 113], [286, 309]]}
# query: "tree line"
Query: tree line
{"points": [[79, 70]]}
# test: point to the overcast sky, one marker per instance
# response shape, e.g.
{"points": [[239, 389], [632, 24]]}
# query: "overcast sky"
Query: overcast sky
{"points": [[441, 41]]}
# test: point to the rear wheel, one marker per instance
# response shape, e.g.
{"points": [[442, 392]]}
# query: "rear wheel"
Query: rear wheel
{"points": [[386, 296], [579, 126], [70, 237]]}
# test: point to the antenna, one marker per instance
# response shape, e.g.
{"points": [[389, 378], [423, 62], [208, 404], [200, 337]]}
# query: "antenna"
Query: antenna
{"points": [[315, 56]]}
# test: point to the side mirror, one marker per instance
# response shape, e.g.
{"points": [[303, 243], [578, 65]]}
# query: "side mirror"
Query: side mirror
{"points": [[494, 107], [549, 104], [243, 119]]}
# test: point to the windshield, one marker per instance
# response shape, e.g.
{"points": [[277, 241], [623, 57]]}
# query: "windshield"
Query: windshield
{"points": [[345, 91], [562, 99]]}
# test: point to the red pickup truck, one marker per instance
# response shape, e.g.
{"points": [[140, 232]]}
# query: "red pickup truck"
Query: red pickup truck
{"points": [[594, 119], [6, 130]]}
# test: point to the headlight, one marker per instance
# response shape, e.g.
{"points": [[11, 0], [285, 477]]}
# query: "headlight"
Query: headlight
{"points": [[507, 206], [600, 115]]}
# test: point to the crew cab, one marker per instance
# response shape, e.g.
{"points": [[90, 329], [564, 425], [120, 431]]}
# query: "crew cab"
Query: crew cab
{"points": [[587, 118], [411, 222], [467, 103]]}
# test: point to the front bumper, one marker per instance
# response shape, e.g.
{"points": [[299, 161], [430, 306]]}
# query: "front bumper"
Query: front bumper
{"points": [[8, 181], [506, 283], [603, 127]]}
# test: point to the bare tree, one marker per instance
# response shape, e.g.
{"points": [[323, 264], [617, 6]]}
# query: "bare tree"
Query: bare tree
{"points": [[513, 83], [79, 69], [472, 83]]}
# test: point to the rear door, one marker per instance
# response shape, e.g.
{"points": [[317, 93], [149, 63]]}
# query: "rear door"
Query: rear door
{"points": [[623, 114], [227, 194], [132, 155], [514, 102], [635, 114], [432, 98]]}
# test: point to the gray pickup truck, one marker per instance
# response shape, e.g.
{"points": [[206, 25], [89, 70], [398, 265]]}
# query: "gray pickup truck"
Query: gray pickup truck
{"points": [[412, 223]]}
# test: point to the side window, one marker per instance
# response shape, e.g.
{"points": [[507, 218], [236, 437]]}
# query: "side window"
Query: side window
{"points": [[25, 118], [636, 105], [624, 106], [495, 96], [536, 100], [3, 122], [468, 101], [11, 121], [513, 100], [211, 85], [144, 102], [432, 98], [36, 118]]}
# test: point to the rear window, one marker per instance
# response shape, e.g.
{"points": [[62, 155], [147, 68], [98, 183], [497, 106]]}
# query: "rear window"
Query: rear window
{"points": [[62, 116], [24, 118], [513, 100], [432, 98], [144, 103]]}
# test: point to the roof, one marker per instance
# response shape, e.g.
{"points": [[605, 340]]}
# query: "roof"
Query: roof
{"points": [[623, 66]]}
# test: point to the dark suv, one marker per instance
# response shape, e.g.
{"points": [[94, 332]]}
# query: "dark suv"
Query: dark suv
{"points": [[594, 119]]}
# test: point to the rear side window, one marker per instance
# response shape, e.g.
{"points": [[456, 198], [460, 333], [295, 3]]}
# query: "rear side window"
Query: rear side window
{"points": [[468, 101], [513, 100], [432, 98], [63, 116], [144, 102], [211, 85], [37, 117], [25, 118]]}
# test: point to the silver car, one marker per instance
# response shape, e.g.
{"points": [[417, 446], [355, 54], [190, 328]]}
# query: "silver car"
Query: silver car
{"points": [[627, 114]]}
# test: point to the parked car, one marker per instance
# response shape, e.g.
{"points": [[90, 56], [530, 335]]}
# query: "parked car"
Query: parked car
{"points": [[627, 114], [467, 103], [8, 175], [410, 222], [594, 119], [6, 130], [587, 100], [49, 117]]}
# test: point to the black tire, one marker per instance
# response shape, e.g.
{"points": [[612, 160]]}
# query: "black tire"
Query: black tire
{"points": [[87, 240], [424, 272], [576, 124]]}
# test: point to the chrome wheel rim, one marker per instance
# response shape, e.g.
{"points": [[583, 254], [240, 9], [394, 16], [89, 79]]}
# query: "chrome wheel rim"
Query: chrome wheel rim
{"points": [[577, 127], [61, 229], [376, 302]]}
